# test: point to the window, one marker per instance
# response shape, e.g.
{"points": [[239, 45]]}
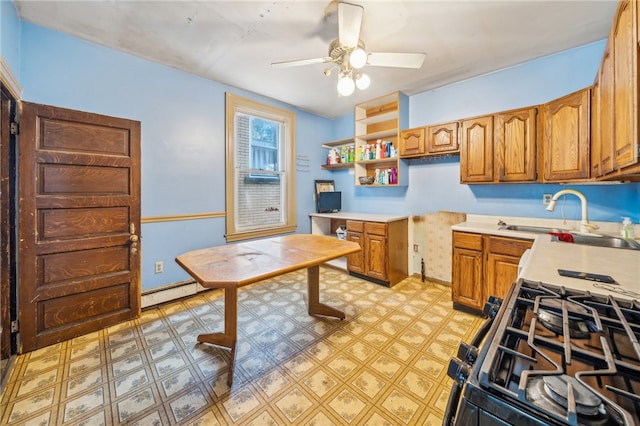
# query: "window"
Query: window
{"points": [[260, 178], [265, 135]]}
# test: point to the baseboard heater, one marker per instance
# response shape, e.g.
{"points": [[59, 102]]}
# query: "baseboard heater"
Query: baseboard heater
{"points": [[169, 292]]}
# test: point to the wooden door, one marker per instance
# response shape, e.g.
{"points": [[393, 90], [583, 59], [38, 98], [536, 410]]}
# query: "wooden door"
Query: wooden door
{"points": [[625, 79], [7, 298], [566, 137], [476, 150], [515, 144], [79, 260], [442, 138], [412, 142]]}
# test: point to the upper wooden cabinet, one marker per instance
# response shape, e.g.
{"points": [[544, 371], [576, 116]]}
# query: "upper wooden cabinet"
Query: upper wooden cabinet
{"points": [[433, 140], [566, 137], [515, 145], [442, 138], [412, 142], [602, 117], [615, 145], [476, 150], [625, 100]]}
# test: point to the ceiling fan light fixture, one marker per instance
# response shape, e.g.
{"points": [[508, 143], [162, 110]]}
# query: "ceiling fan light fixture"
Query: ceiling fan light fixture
{"points": [[346, 86], [362, 81], [358, 58]]}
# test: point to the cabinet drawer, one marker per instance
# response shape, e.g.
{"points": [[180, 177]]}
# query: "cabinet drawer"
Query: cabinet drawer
{"points": [[468, 241], [375, 228], [508, 246], [355, 226]]}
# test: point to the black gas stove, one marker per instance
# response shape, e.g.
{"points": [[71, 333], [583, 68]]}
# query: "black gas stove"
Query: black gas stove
{"points": [[550, 356]]}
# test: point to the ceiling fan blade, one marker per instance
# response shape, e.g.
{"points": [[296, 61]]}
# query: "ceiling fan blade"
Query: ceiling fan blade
{"points": [[349, 23], [299, 62], [398, 60]]}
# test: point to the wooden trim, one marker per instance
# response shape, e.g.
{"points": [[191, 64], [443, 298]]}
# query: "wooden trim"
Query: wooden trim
{"points": [[177, 218], [260, 233], [9, 80], [234, 103]]}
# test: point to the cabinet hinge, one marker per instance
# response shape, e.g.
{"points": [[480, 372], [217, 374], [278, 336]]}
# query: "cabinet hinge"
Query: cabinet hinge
{"points": [[15, 326], [14, 128]]}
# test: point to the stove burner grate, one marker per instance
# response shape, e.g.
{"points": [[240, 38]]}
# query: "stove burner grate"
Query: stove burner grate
{"points": [[587, 402]]}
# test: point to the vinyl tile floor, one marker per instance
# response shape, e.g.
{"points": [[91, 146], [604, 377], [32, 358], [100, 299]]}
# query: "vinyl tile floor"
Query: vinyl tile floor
{"points": [[385, 364]]}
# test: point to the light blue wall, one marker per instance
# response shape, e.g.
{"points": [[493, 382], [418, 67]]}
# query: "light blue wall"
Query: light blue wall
{"points": [[435, 184], [10, 36], [183, 136]]}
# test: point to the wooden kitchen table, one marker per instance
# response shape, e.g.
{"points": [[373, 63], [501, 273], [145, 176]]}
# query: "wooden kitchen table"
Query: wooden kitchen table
{"points": [[235, 265]]}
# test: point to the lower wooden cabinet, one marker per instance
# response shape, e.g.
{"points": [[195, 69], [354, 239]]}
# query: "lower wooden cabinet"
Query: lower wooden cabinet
{"points": [[384, 255], [483, 266]]}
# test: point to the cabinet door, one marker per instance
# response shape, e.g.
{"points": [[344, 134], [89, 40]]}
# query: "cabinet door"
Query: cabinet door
{"points": [[625, 56], [604, 153], [515, 144], [355, 261], [501, 269], [442, 138], [501, 272], [376, 256], [566, 137], [466, 288], [476, 150], [412, 142], [596, 133]]}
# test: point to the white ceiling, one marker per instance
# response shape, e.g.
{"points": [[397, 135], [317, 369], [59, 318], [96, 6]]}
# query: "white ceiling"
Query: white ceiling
{"points": [[234, 42]]}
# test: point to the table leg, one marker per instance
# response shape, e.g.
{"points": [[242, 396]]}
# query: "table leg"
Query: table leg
{"points": [[229, 337], [313, 289]]}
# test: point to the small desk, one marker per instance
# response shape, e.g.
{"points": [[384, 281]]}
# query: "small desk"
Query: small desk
{"points": [[236, 265]]}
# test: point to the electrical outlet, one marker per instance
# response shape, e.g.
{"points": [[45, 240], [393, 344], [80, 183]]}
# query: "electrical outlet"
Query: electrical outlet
{"points": [[415, 248], [546, 199], [159, 267]]}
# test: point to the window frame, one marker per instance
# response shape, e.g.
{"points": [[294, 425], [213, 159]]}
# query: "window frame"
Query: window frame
{"points": [[233, 104]]}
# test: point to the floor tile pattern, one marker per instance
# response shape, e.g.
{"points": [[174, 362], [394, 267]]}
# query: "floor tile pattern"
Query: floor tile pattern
{"points": [[385, 364]]}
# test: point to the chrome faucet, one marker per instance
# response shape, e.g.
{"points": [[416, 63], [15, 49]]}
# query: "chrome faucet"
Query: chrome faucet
{"points": [[585, 226]]}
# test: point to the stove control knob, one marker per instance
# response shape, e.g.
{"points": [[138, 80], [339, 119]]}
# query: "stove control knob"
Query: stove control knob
{"points": [[467, 353], [458, 370], [491, 307]]}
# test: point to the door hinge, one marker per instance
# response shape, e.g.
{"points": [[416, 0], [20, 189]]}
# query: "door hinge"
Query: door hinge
{"points": [[15, 326], [14, 128]]}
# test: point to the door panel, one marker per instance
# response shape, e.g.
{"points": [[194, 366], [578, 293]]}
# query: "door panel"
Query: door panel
{"points": [[79, 180]]}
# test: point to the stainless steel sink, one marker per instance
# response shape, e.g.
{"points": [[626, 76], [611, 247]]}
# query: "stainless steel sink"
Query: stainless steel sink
{"points": [[535, 229], [605, 241], [590, 240]]}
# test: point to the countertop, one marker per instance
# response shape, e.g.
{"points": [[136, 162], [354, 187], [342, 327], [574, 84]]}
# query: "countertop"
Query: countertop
{"points": [[546, 256], [367, 217]]}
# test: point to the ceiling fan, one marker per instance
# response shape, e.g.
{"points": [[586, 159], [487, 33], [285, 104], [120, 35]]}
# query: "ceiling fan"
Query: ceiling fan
{"points": [[348, 54]]}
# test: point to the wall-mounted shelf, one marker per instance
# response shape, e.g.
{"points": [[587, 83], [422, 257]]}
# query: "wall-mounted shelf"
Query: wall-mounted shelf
{"points": [[376, 120], [339, 143]]}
